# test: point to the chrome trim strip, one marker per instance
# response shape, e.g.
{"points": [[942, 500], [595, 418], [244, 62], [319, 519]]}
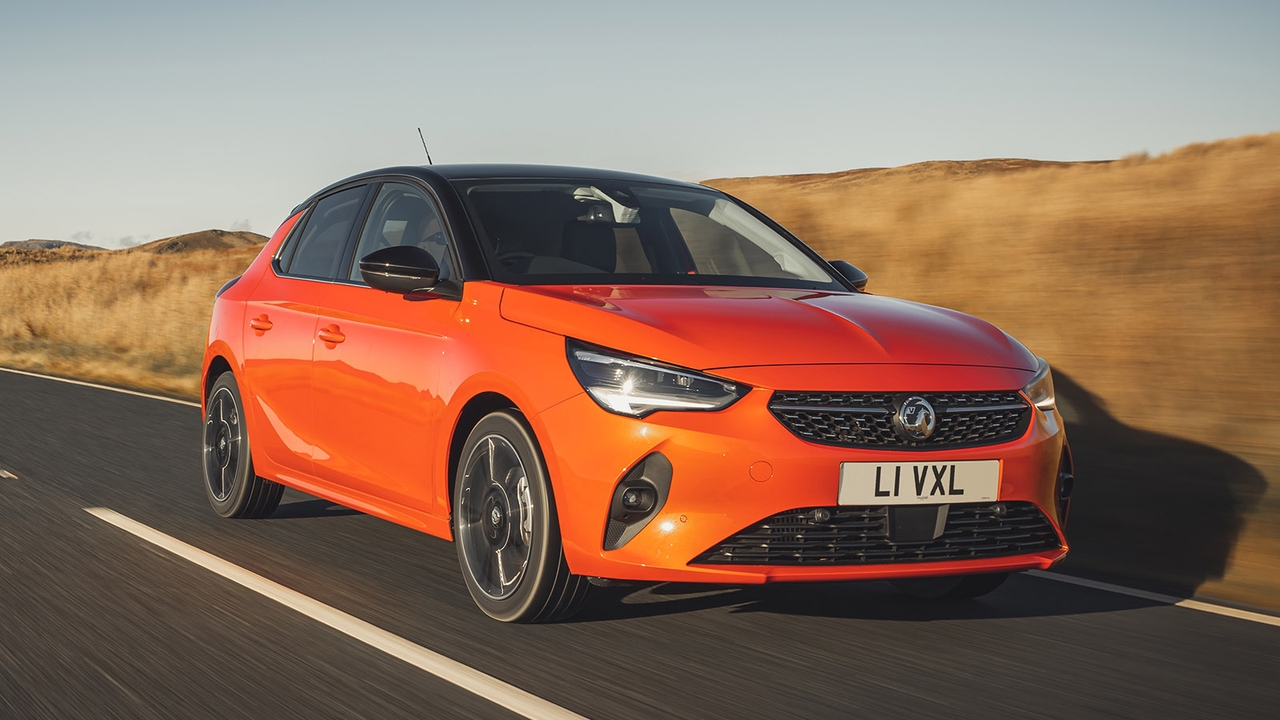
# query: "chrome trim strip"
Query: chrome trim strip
{"points": [[879, 411], [980, 408], [824, 408]]}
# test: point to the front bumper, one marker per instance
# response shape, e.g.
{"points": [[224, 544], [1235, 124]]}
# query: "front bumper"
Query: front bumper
{"points": [[733, 468]]}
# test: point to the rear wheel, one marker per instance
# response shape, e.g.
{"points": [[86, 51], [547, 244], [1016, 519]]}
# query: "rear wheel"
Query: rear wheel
{"points": [[955, 587], [505, 527], [233, 489]]}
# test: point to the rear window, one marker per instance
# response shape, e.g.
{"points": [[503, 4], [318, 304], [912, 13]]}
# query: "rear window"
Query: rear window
{"points": [[317, 251]]}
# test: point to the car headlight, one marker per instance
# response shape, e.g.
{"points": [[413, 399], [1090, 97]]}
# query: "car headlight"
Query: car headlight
{"points": [[632, 386], [1040, 389]]}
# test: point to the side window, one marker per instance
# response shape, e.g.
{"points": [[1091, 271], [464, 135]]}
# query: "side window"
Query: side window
{"points": [[402, 215], [324, 238]]}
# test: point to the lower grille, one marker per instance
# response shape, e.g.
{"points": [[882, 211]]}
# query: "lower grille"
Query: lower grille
{"points": [[860, 536]]}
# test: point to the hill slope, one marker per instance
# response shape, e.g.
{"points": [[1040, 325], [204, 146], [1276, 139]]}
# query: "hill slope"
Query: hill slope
{"points": [[203, 240], [76, 310], [44, 245]]}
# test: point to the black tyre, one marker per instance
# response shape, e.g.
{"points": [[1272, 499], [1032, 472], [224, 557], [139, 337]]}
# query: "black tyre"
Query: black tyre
{"points": [[956, 587], [505, 527], [234, 490]]}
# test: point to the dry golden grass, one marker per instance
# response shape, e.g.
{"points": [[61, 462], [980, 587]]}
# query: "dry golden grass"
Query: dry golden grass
{"points": [[1151, 284], [125, 317]]}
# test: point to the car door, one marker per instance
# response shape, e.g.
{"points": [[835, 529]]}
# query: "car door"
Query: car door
{"points": [[280, 339], [377, 362]]}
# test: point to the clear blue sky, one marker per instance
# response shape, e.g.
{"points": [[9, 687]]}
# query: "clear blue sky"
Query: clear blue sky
{"points": [[133, 120]]}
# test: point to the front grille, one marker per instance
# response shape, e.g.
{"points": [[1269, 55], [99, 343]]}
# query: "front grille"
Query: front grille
{"points": [[860, 536], [865, 420]]}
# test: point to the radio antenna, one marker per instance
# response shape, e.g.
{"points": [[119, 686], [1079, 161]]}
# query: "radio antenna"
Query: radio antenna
{"points": [[424, 147]]}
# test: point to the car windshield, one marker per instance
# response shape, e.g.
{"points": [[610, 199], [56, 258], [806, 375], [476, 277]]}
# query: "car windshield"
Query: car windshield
{"points": [[544, 232]]}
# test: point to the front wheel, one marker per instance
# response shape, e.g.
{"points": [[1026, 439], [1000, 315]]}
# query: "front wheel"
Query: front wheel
{"points": [[955, 587], [234, 490], [505, 527]]}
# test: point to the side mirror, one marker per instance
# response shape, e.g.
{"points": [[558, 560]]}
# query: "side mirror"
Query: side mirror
{"points": [[856, 277], [403, 269]]}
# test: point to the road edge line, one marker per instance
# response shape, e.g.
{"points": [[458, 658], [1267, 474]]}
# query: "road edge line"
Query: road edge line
{"points": [[1187, 603], [463, 676], [82, 383]]}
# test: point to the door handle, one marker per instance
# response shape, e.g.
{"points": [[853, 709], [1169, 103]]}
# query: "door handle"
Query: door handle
{"points": [[331, 335], [260, 324]]}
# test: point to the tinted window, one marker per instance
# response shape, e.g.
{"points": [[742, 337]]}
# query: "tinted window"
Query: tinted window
{"points": [[320, 247], [550, 232], [402, 215], [718, 249]]}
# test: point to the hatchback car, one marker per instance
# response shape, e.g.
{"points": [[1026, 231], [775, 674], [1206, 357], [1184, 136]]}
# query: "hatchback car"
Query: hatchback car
{"points": [[581, 375]]}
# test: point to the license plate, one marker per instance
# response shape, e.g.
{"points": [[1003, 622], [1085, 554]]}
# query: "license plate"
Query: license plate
{"points": [[869, 483]]}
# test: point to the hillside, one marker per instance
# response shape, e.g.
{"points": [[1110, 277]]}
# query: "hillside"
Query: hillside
{"points": [[204, 240], [75, 310], [44, 245]]}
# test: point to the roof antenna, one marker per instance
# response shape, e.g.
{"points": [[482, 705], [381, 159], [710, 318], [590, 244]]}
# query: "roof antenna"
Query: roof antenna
{"points": [[424, 146]]}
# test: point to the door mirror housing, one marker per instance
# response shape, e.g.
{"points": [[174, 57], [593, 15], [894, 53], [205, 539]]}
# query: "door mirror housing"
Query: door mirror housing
{"points": [[403, 269], [856, 277]]}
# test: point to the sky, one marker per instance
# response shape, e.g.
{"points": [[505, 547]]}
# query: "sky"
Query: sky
{"points": [[131, 121]]}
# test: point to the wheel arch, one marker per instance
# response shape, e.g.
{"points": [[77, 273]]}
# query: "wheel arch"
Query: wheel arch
{"points": [[216, 367], [475, 409], [216, 363]]}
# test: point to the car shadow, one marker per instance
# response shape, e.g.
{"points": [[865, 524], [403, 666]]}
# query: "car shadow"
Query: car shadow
{"points": [[1148, 508], [1021, 597], [313, 508]]}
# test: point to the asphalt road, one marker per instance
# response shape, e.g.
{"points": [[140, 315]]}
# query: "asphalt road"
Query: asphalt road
{"points": [[97, 623]]}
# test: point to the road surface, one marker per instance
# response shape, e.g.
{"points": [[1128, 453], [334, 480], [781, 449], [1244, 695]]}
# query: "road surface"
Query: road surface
{"points": [[98, 622]]}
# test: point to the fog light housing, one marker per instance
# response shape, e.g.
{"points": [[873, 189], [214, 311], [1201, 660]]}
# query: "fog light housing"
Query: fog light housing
{"points": [[638, 497], [1066, 484]]}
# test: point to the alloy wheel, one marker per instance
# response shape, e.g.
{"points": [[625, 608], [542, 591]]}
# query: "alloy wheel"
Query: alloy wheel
{"points": [[495, 528], [223, 436]]}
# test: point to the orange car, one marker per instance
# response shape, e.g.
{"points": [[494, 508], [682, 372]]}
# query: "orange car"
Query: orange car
{"points": [[583, 375]]}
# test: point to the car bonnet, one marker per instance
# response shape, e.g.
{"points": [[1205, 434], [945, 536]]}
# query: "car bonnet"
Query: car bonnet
{"points": [[721, 327]]}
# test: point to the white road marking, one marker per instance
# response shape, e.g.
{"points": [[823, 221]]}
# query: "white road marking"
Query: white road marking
{"points": [[492, 689], [100, 387], [6, 475], [1160, 598]]}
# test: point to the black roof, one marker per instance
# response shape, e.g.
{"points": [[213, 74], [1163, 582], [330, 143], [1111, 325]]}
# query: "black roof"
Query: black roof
{"points": [[498, 171], [479, 171]]}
